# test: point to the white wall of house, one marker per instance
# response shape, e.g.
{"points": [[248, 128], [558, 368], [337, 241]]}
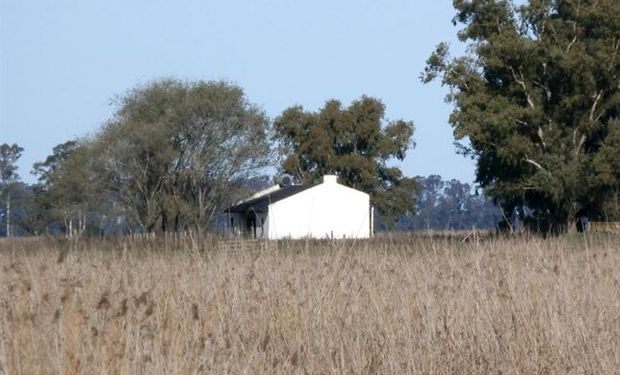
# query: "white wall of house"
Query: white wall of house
{"points": [[323, 211]]}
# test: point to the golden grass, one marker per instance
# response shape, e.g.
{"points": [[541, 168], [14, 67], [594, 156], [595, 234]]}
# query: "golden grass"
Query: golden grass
{"points": [[386, 306]]}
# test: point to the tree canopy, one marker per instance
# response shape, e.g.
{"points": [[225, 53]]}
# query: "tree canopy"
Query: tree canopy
{"points": [[175, 149], [355, 143], [70, 187], [449, 205], [9, 154], [537, 98]]}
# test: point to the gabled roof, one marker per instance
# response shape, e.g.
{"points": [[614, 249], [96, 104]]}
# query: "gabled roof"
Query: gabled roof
{"points": [[261, 203]]}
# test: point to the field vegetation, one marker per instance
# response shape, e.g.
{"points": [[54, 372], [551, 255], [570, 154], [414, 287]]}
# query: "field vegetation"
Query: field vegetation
{"points": [[390, 305]]}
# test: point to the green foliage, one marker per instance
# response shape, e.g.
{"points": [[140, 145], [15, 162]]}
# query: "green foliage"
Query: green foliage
{"points": [[353, 143], [9, 154], [449, 205], [606, 174], [70, 187], [536, 101], [174, 149], [46, 170], [171, 157]]}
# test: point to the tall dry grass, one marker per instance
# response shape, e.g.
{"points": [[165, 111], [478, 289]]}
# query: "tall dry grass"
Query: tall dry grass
{"points": [[387, 306]]}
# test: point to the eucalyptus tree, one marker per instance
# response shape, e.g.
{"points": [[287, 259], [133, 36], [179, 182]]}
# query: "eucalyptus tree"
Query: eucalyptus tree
{"points": [[70, 189], [9, 154], [355, 143], [536, 100]]}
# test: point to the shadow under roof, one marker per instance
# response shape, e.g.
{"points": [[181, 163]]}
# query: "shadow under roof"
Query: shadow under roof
{"points": [[260, 204]]}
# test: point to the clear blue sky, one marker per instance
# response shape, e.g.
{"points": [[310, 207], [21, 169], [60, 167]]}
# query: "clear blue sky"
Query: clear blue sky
{"points": [[62, 61]]}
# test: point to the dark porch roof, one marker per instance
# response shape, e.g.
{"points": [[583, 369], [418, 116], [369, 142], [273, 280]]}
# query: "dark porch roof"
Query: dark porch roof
{"points": [[260, 204]]}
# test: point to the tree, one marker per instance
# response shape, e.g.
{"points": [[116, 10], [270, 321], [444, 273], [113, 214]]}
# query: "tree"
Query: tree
{"points": [[606, 198], [32, 213], [429, 197], [174, 149], [22, 216], [536, 97], [354, 143], [448, 205], [9, 154], [455, 204], [70, 186]]}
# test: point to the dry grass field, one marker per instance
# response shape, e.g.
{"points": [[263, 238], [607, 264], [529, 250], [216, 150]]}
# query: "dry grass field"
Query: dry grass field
{"points": [[391, 306]]}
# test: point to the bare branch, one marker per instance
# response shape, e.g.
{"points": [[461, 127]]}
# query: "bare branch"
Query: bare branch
{"points": [[572, 42], [582, 140], [521, 122], [544, 87], [541, 136], [523, 85], [597, 98], [535, 163]]}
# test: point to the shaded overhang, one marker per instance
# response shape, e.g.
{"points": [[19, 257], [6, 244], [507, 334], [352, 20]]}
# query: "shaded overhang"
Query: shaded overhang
{"points": [[261, 204]]}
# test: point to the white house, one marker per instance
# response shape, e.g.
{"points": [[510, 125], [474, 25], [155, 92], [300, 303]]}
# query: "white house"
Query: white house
{"points": [[325, 210]]}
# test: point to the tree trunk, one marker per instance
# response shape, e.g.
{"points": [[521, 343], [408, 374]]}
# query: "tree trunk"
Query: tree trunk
{"points": [[164, 220], [571, 218], [80, 227], [149, 227], [8, 215], [177, 222]]}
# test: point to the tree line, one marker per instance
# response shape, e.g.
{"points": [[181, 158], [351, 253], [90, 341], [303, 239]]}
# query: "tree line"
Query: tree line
{"points": [[536, 101], [450, 205], [175, 154]]}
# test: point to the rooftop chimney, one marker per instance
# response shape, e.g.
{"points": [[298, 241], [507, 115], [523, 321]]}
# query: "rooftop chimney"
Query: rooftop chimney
{"points": [[330, 179]]}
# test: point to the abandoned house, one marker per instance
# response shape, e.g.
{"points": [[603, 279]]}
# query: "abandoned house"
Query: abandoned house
{"points": [[324, 210]]}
